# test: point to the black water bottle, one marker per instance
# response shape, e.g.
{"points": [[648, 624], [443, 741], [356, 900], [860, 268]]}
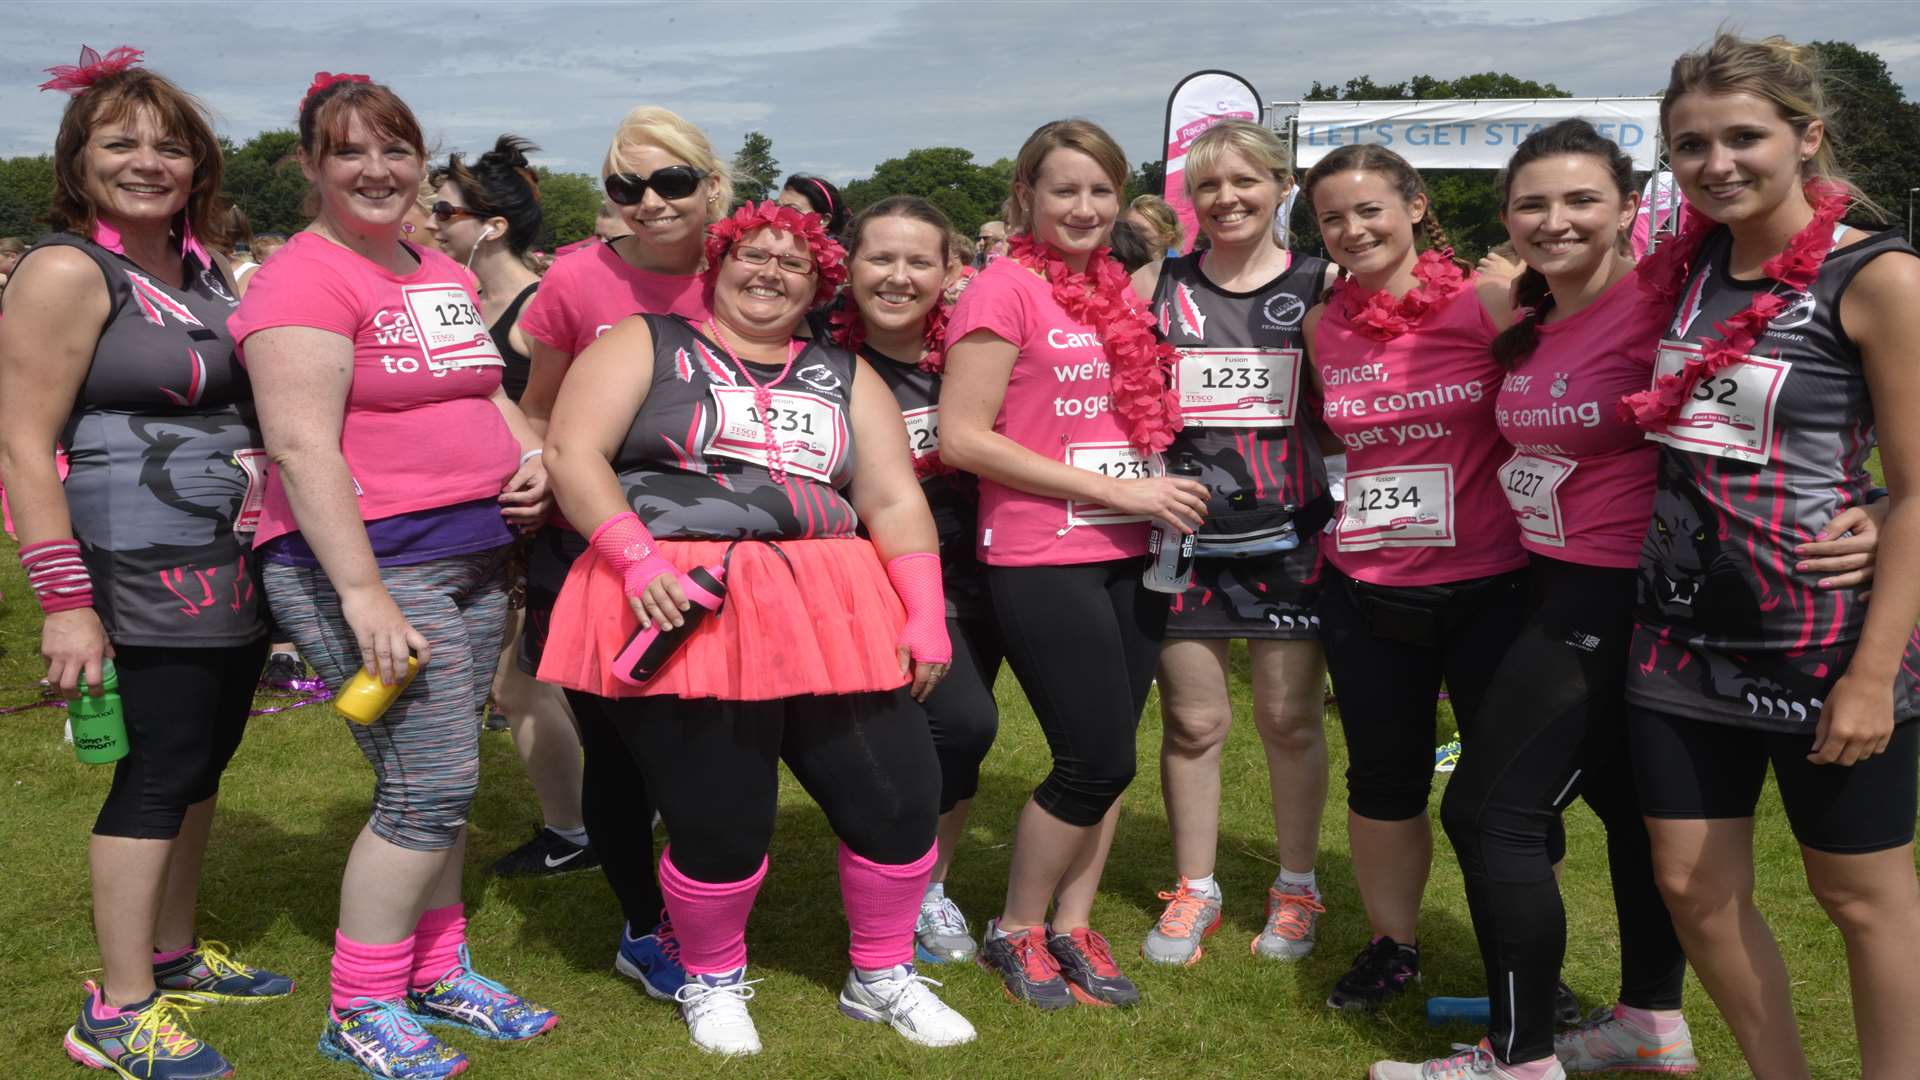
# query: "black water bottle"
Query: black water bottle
{"points": [[1170, 550]]}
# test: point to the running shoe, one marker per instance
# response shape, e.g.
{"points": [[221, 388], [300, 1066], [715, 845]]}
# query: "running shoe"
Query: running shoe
{"points": [[548, 854], [1381, 970], [1446, 757], [940, 933], [1189, 919], [901, 998], [209, 973], [1609, 1042], [1293, 919], [653, 961], [1465, 1063], [1086, 962], [284, 671], [1026, 967], [1566, 1006], [147, 1041], [381, 1039], [466, 999], [715, 1009]]}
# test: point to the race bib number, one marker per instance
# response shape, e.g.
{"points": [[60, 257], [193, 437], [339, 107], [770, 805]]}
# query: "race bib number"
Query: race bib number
{"points": [[1116, 459], [1532, 483], [1237, 387], [923, 431], [811, 432], [1730, 412], [254, 464], [452, 331], [1410, 506]]}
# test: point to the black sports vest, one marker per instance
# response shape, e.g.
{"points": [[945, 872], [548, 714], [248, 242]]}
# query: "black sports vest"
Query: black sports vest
{"points": [[954, 497]]}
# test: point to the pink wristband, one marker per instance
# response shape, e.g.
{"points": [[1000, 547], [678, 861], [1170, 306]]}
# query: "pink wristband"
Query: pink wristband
{"points": [[916, 579], [627, 547], [57, 576]]}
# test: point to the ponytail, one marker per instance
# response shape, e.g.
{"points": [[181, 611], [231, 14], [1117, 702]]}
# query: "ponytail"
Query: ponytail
{"points": [[1531, 297]]}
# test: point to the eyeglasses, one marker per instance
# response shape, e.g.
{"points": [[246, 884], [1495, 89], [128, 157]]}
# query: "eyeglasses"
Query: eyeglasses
{"points": [[444, 211], [672, 182], [792, 264]]}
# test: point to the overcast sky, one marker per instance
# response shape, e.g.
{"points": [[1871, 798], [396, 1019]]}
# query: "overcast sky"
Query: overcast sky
{"points": [[841, 86]]}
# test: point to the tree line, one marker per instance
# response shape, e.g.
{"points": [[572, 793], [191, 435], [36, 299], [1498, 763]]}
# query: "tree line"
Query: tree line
{"points": [[1877, 128]]}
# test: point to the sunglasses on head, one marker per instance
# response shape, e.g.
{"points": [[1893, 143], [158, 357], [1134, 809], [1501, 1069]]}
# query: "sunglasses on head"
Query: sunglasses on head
{"points": [[672, 182], [444, 211]]}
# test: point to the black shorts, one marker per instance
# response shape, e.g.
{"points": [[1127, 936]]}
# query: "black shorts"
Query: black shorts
{"points": [[549, 558], [1270, 598], [1689, 769]]}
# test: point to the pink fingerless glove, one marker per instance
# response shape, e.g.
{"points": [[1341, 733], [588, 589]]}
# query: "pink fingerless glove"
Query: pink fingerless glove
{"points": [[626, 546], [916, 578]]}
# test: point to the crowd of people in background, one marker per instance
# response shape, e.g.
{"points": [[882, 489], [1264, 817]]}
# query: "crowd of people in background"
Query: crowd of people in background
{"points": [[736, 484]]}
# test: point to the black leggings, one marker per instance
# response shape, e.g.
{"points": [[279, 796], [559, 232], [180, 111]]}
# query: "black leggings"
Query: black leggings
{"points": [[185, 710], [1387, 687], [1553, 725], [617, 812], [713, 769], [1084, 642], [962, 711]]}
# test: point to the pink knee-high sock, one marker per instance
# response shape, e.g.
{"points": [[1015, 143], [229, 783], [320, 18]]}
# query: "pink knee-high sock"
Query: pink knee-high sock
{"points": [[374, 972], [437, 938], [710, 920], [882, 904]]}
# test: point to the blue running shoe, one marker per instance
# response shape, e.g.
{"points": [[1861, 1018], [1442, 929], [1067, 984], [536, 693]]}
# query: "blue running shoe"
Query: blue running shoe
{"points": [[148, 1041], [381, 1039], [468, 1000], [1446, 757], [209, 973], [653, 961]]}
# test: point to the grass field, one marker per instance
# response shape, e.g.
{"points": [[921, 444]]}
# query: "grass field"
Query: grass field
{"points": [[298, 791]]}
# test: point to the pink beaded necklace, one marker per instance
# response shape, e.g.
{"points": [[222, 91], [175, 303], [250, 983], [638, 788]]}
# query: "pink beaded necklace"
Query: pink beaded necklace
{"points": [[762, 398]]}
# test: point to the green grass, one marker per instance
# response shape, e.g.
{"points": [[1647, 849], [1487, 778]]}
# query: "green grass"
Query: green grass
{"points": [[298, 791]]}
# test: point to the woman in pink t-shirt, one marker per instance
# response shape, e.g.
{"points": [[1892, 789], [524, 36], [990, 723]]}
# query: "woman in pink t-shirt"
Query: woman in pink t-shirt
{"points": [[398, 466], [1056, 396]]}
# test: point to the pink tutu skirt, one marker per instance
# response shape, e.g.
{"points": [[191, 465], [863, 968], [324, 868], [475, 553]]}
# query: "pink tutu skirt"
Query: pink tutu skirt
{"points": [[830, 624]]}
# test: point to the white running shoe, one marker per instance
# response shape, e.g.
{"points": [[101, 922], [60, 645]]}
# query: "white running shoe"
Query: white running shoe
{"points": [[940, 933], [715, 1009], [1609, 1042], [1465, 1063], [901, 998]]}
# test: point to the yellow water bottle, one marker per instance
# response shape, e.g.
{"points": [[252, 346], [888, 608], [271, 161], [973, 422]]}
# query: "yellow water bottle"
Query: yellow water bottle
{"points": [[365, 698]]}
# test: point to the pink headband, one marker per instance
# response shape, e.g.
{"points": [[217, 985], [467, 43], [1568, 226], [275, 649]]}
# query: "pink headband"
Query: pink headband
{"points": [[824, 193]]}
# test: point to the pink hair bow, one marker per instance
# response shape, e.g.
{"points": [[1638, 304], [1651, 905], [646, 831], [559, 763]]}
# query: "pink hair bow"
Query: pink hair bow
{"points": [[324, 79], [74, 78]]}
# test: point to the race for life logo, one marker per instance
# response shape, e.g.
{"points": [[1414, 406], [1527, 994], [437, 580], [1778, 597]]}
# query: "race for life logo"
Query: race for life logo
{"points": [[1284, 310]]}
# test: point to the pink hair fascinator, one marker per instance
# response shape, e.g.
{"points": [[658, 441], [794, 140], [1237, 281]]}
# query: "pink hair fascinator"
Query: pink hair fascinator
{"points": [[74, 78], [324, 79]]}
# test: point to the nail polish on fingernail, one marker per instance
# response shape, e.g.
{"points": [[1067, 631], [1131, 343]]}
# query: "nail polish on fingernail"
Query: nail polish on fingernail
{"points": [[1800, 566]]}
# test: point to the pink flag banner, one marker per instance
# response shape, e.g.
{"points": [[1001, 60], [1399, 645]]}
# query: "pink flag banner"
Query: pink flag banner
{"points": [[1198, 102]]}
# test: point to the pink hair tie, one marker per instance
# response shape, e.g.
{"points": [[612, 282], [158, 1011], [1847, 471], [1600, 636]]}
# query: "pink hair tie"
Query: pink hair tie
{"points": [[75, 78], [324, 79]]}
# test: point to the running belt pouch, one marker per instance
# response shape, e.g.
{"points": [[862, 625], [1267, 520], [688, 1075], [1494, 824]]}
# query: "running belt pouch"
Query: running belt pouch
{"points": [[1260, 531], [1423, 615], [649, 650]]}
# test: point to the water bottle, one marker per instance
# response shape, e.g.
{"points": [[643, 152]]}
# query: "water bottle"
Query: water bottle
{"points": [[1458, 1010], [99, 728], [365, 698], [1170, 551], [705, 588]]}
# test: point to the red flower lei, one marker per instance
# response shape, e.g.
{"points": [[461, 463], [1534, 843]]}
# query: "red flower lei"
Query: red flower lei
{"points": [[829, 258], [1380, 316], [1666, 274], [1101, 297], [849, 331]]}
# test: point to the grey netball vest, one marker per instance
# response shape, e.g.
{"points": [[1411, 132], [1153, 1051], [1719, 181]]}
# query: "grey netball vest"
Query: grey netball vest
{"points": [[954, 497], [163, 448], [1765, 453], [694, 461]]}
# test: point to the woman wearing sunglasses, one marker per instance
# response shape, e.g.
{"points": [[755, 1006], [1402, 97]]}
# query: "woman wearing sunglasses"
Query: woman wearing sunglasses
{"points": [[760, 455], [668, 185]]}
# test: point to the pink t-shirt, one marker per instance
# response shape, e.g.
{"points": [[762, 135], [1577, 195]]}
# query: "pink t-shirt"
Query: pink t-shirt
{"points": [[1423, 503], [1058, 404], [1581, 479], [420, 431], [585, 292]]}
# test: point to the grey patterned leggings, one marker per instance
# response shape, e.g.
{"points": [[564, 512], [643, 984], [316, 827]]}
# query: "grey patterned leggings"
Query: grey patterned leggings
{"points": [[425, 751]]}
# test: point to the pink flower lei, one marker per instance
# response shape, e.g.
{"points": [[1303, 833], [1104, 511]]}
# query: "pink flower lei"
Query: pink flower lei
{"points": [[1102, 297], [75, 78], [1666, 271], [1380, 316], [829, 258]]}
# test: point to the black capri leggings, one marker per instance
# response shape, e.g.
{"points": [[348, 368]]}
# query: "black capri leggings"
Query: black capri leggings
{"points": [[617, 812], [713, 769], [1387, 672], [1554, 726], [1084, 641], [962, 711], [185, 711]]}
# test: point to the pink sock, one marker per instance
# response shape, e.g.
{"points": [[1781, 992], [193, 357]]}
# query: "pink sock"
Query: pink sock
{"points": [[1532, 1070], [1650, 1022], [101, 1010], [710, 920], [170, 955], [437, 938], [374, 972], [882, 904]]}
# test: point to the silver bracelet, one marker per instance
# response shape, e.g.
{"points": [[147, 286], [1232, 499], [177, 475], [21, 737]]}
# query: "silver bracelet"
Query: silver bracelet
{"points": [[531, 454]]}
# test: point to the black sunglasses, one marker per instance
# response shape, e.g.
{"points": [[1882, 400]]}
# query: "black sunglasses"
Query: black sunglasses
{"points": [[672, 182], [444, 211]]}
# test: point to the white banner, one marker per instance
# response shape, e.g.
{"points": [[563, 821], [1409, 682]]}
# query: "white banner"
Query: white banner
{"points": [[1468, 134], [1198, 102]]}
